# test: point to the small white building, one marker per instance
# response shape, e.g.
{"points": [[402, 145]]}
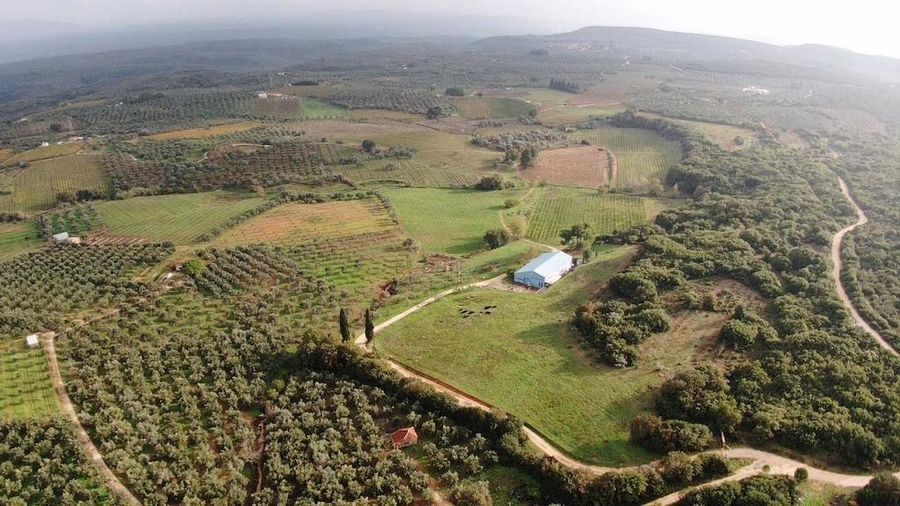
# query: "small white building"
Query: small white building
{"points": [[756, 91], [32, 341], [45, 144], [544, 270], [262, 95], [61, 237]]}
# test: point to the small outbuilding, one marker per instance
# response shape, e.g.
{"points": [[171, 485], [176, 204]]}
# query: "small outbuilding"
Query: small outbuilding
{"points": [[404, 437], [544, 270], [61, 237], [32, 341]]}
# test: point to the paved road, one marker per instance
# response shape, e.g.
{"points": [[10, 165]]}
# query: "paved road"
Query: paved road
{"points": [[838, 265]]}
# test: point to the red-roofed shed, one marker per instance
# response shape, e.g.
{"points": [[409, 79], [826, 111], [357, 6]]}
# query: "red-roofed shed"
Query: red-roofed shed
{"points": [[404, 437]]}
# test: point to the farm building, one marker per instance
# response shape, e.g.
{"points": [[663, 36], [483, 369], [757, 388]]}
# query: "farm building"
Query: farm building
{"points": [[32, 341], [65, 238], [404, 437], [756, 91], [544, 270]]}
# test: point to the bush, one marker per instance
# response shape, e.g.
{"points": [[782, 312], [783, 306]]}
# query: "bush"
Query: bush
{"points": [[801, 474], [476, 493], [489, 183], [454, 91], [882, 490], [671, 435], [496, 238]]}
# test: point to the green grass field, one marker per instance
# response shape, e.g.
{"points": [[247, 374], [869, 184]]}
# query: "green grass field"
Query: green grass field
{"points": [[441, 160], [448, 221], [17, 238], [642, 156], [180, 218], [44, 153], [557, 208], [25, 388], [723, 135], [35, 187], [524, 358], [490, 108], [311, 108]]}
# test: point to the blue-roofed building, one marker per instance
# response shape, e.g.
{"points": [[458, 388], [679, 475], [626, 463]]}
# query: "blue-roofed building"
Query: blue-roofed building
{"points": [[544, 270]]}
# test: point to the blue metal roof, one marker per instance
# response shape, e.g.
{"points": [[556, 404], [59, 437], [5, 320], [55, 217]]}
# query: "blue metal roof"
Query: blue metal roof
{"points": [[547, 264]]}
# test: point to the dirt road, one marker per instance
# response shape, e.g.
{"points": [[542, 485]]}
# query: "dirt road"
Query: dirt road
{"points": [[838, 265], [776, 463], [110, 479]]}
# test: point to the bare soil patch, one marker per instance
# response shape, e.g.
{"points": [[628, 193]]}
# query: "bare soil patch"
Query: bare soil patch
{"points": [[580, 166]]}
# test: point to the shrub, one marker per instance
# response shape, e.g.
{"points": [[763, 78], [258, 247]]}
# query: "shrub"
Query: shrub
{"points": [[476, 493], [801, 474], [882, 490], [489, 183], [496, 238]]}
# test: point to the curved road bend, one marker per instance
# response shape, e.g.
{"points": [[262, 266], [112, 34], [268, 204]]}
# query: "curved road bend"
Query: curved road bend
{"points": [[776, 463], [838, 265]]}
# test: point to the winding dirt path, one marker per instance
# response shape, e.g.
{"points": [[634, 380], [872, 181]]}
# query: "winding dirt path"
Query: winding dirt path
{"points": [[776, 463], [838, 265], [112, 482]]}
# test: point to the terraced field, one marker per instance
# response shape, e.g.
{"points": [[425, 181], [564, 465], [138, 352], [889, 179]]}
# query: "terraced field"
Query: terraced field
{"points": [[179, 218], [352, 244], [559, 208], [410, 172], [448, 221], [490, 108], [25, 389], [276, 108], [643, 157], [35, 187], [579, 166]]}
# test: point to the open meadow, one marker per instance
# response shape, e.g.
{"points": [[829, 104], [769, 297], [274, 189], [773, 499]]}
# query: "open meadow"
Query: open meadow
{"points": [[517, 351], [17, 238], [448, 221], [490, 108]]}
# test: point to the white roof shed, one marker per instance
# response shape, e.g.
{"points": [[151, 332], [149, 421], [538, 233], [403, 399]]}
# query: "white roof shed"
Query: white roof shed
{"points": [[32, 341], [544, 270], [61, 237]]}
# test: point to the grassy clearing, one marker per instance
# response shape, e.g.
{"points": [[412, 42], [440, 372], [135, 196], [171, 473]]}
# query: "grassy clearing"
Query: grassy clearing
{"points": [[18, 238], [442, 159], [559, 208], [311, 108], [566, 114], [490, 108], [207, 132], [381, 114], [642, 157], [820, 494], [35, 187], [44, 153], [723, 135], [6, 154], [180, 218], [580, 166], [25, 388], [352, 244], [524, 358], [448, 221], [427, 279]]}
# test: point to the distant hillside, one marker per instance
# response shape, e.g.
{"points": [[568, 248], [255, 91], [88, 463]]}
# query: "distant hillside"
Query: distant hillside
{"points": [[674, 47]]}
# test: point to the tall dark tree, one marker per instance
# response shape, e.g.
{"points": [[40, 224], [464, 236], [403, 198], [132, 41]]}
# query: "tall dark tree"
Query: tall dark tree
{"points": [[345, 326], [370, 327]]}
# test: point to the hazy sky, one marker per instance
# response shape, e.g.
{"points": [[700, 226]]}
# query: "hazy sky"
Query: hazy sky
{"points": [[868, 26]]}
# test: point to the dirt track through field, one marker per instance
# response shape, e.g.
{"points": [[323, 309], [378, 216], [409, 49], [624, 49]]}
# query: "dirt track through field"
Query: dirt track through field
{"points": [[776, 463], [111, 481], [838, 265]]}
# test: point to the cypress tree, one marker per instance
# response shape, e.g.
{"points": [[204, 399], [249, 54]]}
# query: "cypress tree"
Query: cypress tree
{"points": [[345, 326], [370, 327]]}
